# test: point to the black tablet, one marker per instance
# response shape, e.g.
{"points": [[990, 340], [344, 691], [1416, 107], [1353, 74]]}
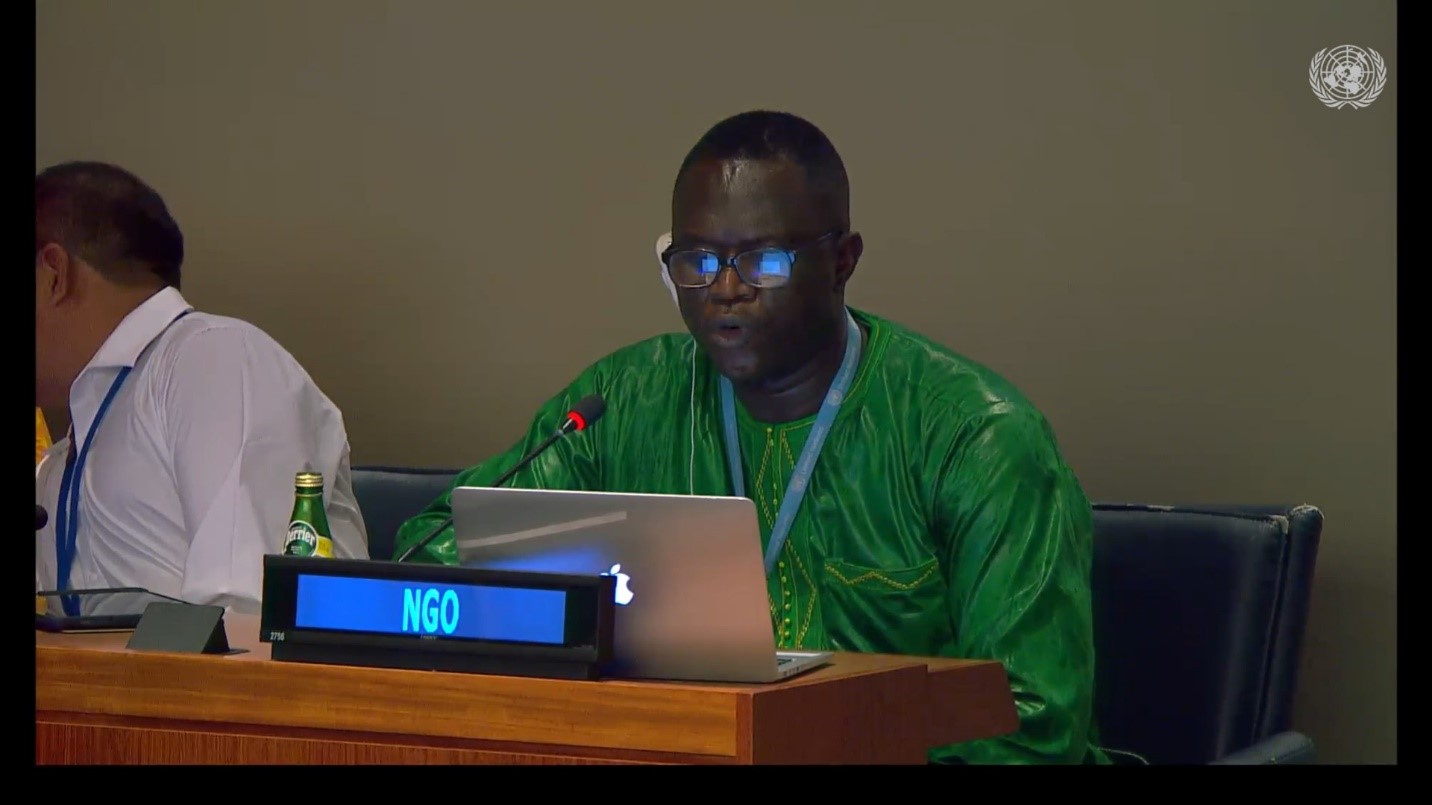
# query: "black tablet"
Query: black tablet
{"points": [[116, 609]]}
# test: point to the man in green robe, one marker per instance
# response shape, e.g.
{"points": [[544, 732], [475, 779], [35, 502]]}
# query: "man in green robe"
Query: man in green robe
{"points": [[938, 518]]}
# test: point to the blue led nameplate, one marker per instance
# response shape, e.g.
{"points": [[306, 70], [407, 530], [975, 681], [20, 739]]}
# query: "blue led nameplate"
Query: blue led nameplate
{"points": [[442, 611]]}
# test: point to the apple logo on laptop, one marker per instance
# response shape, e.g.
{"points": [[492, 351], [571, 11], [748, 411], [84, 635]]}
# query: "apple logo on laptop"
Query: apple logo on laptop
{"points": [[624, 594]]}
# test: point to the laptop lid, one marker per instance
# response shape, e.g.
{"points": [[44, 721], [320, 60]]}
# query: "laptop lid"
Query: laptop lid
{"points": [[691, 592]]}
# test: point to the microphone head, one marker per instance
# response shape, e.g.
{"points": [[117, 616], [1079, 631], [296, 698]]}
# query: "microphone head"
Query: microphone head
{"points": [[587, 411], [41, 517]]}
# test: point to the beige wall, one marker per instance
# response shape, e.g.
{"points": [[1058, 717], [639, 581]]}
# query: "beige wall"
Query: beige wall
{"points": [[1137, 211]]}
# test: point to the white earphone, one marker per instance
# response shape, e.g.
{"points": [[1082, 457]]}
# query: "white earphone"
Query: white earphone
{"points": [[661, 245]]}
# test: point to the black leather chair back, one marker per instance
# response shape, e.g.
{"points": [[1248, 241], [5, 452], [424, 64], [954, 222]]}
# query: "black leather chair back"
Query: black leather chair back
{"points": [[1199, 615], [390, 496]]}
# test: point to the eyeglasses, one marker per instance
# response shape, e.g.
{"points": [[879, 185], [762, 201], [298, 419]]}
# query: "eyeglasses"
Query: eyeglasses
{"points": [[759, 268]]}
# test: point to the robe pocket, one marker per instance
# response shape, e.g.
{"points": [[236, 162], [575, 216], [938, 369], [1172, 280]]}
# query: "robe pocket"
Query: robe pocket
{"points": [[890, 610]]}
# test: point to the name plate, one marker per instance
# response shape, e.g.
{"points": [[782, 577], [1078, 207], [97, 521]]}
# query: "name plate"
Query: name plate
{"points": [[437, 618]]}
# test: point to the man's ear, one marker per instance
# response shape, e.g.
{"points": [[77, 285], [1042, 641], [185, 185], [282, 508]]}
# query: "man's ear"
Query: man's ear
{"points": [[57, 269], [847, 256]]}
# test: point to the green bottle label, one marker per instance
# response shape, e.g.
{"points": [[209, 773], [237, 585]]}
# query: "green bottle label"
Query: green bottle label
{"points": [[304, 540]]}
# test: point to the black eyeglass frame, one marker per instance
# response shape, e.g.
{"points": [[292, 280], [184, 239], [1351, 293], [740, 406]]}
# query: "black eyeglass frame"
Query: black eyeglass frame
{"points": [[792, 254]]}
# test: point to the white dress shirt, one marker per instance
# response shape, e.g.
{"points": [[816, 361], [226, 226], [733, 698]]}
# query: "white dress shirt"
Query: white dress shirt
{"points": [[190, 480]]}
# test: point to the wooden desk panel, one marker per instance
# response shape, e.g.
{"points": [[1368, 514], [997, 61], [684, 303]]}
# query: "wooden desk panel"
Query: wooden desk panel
{"points": [[97, 702]]}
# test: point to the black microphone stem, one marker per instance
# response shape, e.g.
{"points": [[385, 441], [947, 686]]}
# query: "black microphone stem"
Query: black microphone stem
{"points": [[527, 459], [506, 476], [422, 543]]}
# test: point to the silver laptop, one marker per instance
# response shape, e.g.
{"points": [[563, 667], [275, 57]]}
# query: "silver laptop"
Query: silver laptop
{"points": [[691, 585]]}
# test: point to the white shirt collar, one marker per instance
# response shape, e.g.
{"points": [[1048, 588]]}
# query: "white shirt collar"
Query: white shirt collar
{"points": [[136, 330], [121, 349]]}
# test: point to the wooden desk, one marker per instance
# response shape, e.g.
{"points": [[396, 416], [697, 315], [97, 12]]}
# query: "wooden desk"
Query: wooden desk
{"points": [[97, 702]]}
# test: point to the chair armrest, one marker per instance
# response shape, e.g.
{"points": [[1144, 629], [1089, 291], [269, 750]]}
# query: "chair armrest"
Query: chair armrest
{"points": [[1285, 748]]}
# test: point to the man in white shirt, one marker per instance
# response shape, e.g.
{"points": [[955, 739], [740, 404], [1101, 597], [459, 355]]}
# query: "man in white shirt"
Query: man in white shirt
{"points": [[187, 428]]}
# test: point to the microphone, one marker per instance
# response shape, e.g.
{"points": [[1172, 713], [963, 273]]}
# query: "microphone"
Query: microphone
{"points": [[582, 416], [41, 517]]}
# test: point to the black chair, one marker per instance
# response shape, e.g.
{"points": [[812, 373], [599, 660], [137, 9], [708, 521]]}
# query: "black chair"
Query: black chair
{"points": [[389, 496], [1199, 613]]}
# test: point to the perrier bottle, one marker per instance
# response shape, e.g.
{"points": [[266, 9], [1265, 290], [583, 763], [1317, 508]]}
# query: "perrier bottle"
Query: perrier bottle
{"points": [[308, 533]]}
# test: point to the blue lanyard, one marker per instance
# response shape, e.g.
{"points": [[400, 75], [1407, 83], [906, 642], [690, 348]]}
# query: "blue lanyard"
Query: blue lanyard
{"points": [[67, 523], [796, 489]]}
